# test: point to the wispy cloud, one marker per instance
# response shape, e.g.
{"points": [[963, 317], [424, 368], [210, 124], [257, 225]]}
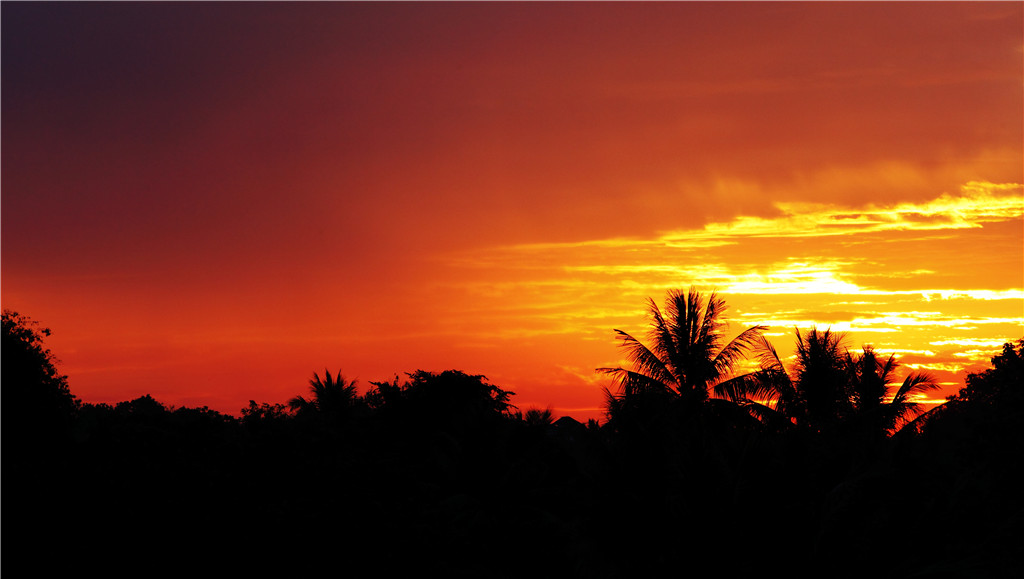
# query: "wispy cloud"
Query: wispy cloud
{"points": [[977, 202], [994, 344]]}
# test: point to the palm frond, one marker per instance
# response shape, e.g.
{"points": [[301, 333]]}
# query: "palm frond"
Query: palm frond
{"points": [[902, 409], [727, 357], [614, 404], [919, 420], [664, 344], [889, 368], [770, 417], [767, 356], [916, 383], [776, 381], [754, 387], [710, 322], [632, 383], [699, 331], [677, 335], [299, 403], [645, 361]]}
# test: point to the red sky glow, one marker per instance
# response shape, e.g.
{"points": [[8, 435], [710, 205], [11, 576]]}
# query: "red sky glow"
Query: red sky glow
{"points": [[208, 202]]}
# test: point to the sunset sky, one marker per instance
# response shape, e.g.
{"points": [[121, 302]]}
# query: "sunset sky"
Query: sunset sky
{"points": [[209, 202]]}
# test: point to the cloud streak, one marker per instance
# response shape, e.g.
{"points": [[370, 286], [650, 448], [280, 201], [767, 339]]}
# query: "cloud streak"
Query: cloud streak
{"points": [[976, 203]]}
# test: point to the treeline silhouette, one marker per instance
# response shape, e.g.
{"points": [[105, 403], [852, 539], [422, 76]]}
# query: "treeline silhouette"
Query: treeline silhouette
{"points": [[826, 468]]}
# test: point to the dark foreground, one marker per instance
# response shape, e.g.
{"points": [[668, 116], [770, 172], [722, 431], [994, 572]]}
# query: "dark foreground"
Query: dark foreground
{"points": [[442, 476]]}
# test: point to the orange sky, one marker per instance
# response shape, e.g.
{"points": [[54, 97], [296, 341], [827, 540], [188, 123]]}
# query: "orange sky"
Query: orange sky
{"points": [[209, 202]]}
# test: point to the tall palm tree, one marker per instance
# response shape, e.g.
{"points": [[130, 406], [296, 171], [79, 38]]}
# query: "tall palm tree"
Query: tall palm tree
{"points": [[686, 359], [331, 397]]}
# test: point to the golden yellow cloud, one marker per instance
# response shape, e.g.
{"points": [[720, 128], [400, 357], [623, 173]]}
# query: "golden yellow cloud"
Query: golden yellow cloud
{"points": [[977, 202]]}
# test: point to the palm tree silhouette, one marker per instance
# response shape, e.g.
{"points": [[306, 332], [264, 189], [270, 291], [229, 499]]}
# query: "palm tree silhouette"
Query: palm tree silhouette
{"points": [[535, 417], [686, 360], [331, 397], [879, 410], [814, 395], [821, 377], [829, 387]]}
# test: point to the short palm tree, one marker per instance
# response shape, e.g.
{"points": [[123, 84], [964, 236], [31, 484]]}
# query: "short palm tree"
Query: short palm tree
{"points": [[821, 378], [536, 417], [831, 388], [686, 359], [876, 407], [331, 397]]}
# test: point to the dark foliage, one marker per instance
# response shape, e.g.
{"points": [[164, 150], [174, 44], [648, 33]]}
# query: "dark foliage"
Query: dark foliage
{"points": [[451, 401], [38, 407], [441, 474]]}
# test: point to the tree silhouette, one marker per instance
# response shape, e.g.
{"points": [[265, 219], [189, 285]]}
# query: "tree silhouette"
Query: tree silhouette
{"points": [[450, 391], [686, 359], [450, 401], [991, 399], [262, 415], [1002, 383], [38, 405]]}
